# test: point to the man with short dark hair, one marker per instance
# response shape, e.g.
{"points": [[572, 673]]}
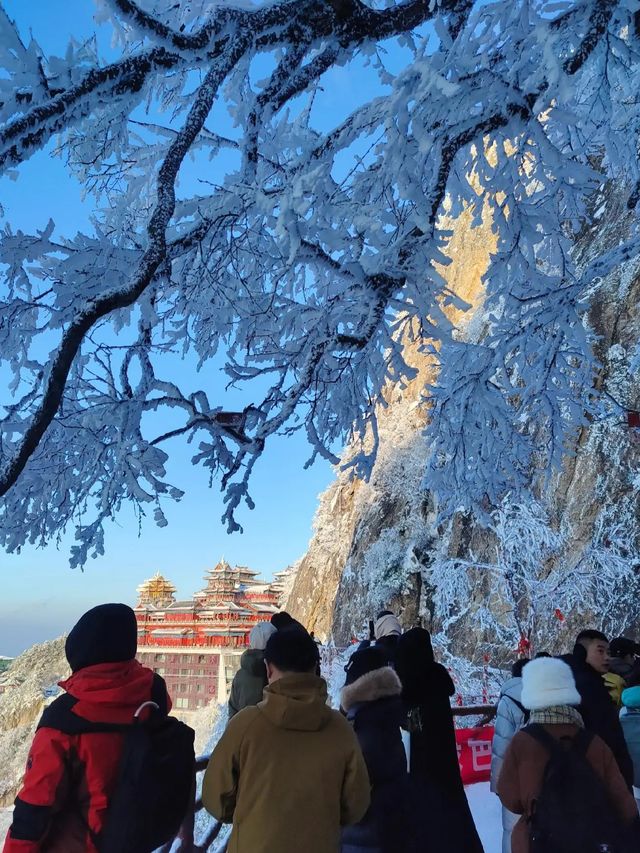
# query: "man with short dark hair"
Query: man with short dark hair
{"points": [[288, 772], [589, 662]]}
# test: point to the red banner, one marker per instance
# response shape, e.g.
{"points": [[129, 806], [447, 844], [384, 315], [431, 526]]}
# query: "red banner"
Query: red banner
{"points": [[474, 753]]}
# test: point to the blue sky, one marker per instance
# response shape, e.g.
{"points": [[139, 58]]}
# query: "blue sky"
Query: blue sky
{"points": [[42, 596]]}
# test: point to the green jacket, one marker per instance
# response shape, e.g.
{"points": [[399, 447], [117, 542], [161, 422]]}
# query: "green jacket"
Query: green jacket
{"points": [[288, 772], [248, 682]]}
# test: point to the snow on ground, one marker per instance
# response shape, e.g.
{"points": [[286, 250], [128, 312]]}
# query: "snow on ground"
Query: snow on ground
{"points": [[485, 808], [484, 805]]}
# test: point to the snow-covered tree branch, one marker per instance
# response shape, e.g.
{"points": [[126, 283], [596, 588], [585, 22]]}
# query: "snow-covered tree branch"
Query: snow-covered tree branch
{"points": [[534, 577], [306, 243]]}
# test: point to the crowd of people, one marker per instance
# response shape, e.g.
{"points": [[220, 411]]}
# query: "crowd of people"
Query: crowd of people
{"points": [[566, 749], [110, 771]]}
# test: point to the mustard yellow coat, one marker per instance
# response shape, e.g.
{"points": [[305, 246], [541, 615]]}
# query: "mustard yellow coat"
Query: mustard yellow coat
{"points": [[615, 685], [288, 772]]}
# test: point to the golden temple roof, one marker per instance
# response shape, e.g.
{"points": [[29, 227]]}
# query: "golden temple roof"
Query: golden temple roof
{"points": [[157, 591]]}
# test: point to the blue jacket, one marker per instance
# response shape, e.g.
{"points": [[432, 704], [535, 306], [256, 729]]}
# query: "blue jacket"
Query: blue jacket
{"points": [[509, 719], [630, 721], [374, 708]]}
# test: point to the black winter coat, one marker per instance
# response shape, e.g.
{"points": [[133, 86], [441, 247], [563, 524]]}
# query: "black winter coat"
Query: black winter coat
{"points": [[426, 690], [374, 707], [389, 645], [599, 713]]}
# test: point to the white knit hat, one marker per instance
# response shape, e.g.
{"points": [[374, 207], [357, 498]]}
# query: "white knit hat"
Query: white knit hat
{"points": [[547, 682], [259, 635], [387, 625]]}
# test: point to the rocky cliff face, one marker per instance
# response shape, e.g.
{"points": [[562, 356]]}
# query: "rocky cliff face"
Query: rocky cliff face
{"points": [[30, 683], [375, 542], [366, 533]]}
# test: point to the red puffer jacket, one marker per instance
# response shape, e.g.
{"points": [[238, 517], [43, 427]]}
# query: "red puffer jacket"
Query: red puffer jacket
{"points": [[70, 777]]}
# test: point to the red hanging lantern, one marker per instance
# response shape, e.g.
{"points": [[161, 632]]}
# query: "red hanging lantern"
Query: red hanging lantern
{"points": [[559, 614], [524, 647], [633, 419]]}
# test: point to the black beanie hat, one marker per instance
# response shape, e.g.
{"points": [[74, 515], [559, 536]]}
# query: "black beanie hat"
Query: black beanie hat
{"points": [[621, 647], [107, 633], [364, 661], [292, 650]]}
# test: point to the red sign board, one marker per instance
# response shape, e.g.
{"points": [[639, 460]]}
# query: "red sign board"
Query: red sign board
{"points": [[474, 753]]}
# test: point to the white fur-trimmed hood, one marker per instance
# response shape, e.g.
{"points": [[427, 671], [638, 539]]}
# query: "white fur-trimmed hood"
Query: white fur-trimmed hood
{"points": [[377, 684]]}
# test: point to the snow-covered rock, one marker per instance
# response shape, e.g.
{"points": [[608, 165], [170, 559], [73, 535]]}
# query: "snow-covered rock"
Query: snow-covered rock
{"points": [[380, 544], [5, 822], [365, 533], [29, 684]]}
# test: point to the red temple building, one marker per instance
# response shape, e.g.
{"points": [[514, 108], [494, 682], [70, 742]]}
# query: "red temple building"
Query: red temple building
{"points": [[196, 644]]}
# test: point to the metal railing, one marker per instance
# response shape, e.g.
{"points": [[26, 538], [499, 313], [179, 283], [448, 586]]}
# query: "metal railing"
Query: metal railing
{"points": [[186, 836]]}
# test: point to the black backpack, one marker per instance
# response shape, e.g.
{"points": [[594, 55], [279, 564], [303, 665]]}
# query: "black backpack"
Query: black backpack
{"points": [[573, 812], [156, 775]]}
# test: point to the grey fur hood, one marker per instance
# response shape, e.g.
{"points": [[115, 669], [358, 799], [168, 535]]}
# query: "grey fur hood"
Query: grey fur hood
{"points": [[377, 684]]}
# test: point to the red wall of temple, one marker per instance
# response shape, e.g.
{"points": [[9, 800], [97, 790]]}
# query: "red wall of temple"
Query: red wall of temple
{"points": [[166, 636], [192, 678]]}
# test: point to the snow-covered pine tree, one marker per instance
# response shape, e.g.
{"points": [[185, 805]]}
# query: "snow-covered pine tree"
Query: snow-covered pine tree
{"points": [[308, 243]]}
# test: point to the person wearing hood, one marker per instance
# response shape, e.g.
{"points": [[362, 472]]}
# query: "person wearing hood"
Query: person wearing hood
{"points": [[630, 722], [371, 699], [288, 773], [251, 679], [387, 631], [70, 778], [589, 663], [426, 691], [549, 692], [511, 715]]}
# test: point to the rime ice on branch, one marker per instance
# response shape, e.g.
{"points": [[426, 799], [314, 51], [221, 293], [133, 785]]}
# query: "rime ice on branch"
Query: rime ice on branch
{"points": [[303, 272]]}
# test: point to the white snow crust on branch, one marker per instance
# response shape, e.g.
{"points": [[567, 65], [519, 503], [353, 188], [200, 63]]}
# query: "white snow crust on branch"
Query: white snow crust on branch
{"points": [[535, 576], [294, 269]]}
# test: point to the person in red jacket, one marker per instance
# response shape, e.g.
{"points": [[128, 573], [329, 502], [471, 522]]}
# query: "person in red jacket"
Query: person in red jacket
{"points": [[71, 771]]}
